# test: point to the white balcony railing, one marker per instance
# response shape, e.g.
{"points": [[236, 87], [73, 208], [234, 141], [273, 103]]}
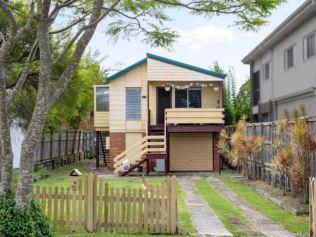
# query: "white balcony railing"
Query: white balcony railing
{"points": [[194, 116]]}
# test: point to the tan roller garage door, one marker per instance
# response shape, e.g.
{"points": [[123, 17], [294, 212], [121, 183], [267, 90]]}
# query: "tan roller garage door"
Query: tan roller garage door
{"points": [[191, 152]]}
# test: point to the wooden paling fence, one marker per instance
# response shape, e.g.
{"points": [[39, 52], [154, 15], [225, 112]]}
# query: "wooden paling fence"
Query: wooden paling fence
{"points": [[57, 149], [263, 169], [92, 204]]}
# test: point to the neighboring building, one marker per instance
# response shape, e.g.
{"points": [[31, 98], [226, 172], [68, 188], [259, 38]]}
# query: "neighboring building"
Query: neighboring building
{"points": [[283, 67], [162, 110]]}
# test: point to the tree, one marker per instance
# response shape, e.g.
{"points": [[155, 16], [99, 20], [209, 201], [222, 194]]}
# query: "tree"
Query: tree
{"points": [[125, 18], [243, 101], [72, 109], [229, 93]]}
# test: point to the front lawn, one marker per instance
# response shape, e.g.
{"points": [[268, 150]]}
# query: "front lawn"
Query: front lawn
{"points": [[60, 177], [295, 224]]}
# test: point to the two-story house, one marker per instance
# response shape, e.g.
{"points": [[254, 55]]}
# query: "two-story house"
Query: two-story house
{"points": [[283, 67], [164, 111]]}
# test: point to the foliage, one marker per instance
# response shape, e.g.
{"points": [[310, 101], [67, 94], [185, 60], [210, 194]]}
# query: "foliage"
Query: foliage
{"points": [[229, 89], [241, 148], [236, 106], [28, 223], [294, 151], [242, 104], [73, 108]]}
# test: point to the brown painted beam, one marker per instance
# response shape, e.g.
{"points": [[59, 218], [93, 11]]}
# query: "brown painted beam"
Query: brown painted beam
{"points": [[194, 128]]}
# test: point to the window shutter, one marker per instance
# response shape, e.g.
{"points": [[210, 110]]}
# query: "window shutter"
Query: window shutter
{"points": [[133, 103]]}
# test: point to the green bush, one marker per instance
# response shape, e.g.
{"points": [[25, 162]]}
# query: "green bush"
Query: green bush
{"points": [[28, 223]]}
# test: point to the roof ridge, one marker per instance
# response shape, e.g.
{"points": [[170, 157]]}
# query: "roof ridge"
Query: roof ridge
{"points": [[168, 61]]}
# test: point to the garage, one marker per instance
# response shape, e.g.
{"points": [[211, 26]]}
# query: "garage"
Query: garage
{"points": [[191, 152]]}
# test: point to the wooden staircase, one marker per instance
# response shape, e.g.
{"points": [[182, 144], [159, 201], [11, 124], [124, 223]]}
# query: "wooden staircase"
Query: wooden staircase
{"points": [[102, 153], [137, 154]]}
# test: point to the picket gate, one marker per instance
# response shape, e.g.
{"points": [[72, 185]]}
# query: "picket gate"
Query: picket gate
{"points": [[91, 204]]}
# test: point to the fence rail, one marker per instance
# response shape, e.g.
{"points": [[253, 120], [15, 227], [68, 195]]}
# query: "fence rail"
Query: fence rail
{"points": [[263, 169], [56, 149], [92, 204]]}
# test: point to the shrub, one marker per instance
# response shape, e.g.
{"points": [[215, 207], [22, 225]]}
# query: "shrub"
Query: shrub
{"points": [[241, 148], [27, 223]]}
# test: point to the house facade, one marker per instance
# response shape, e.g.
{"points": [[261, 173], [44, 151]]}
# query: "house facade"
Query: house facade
{"points": [[282, 67], [162, 113]]}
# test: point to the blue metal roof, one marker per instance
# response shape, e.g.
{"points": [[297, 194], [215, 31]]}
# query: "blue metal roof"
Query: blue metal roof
{"points": [[168, 61]]}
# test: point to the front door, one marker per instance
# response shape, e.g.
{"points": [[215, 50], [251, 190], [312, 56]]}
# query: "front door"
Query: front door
{"points": [[163, 102]]}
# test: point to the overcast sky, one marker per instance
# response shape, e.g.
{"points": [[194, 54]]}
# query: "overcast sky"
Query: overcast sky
{"points": [[202, 42]]}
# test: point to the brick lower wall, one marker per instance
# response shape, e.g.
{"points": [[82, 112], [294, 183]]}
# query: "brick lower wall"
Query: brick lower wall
{"points": [[117, 146], [216, 158]]}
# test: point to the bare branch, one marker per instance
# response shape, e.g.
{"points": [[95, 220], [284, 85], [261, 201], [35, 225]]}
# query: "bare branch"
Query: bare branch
{"points": [[84, 28], [29, 21], [9, 15], [76, 22], [66, 76], [22, 78], [59, 7]]}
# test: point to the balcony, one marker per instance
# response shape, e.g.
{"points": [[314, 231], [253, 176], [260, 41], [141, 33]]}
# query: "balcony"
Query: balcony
{"points": [[194, 116]]}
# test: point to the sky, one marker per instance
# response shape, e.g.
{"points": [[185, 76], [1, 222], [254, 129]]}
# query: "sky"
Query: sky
{"points": [[202, 42]]}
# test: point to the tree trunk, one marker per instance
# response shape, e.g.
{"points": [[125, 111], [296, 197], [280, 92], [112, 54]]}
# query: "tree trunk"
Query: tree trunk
{"points": [[47, 95], [32, 138], [6, 155]]}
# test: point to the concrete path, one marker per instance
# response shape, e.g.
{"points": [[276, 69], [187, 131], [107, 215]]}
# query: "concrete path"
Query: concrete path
{"points": [[261, 222], [204, 219]]}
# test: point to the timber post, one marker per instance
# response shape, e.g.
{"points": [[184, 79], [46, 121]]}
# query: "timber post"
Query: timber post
{"points": [[90, 202]]}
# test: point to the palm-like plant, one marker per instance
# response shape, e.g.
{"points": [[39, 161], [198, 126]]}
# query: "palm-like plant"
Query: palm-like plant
{"points": [[241, 150], [293, 158]]}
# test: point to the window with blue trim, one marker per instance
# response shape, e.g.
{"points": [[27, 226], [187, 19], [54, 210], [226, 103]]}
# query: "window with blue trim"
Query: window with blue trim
{"points": [[133, 104]]}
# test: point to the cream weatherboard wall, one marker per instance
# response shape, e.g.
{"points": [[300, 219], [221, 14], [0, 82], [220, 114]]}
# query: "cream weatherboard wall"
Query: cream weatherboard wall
{"points": [[160, 71], [117, 89]]}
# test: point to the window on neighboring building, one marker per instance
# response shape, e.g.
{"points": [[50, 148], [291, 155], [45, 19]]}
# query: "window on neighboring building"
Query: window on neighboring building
{"points": [[289, 58], [256, 88], [188, 98], [267, 71], [133, 103], [309, 46], [265, 117], [102, 99]]}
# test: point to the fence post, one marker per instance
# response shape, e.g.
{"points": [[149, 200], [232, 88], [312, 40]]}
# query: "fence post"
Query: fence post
{"points": [[79, 148], [42, 148], [59, 149], [90, 202], [51, 149], [173, 205]]}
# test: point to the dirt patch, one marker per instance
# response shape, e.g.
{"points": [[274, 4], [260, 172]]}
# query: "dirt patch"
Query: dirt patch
{"points": [[244, 229]]}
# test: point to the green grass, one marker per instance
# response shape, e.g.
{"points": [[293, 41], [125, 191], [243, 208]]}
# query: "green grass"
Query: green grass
{"points": [[228, 214], [295, 224]]}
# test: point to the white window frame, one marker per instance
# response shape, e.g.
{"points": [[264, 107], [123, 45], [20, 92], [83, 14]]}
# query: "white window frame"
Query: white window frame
{"points": [[285, 57], [138, 115], [106, 96], [305, 46], [264, 71]]}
